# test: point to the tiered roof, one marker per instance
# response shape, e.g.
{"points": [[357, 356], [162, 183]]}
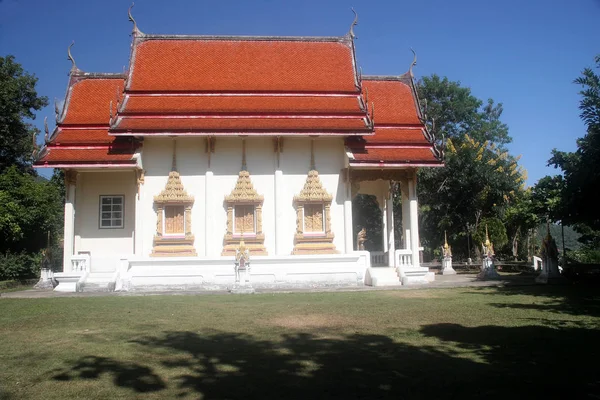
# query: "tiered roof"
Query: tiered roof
{"points": [[399, 138], [81, 137], [237, 85]]}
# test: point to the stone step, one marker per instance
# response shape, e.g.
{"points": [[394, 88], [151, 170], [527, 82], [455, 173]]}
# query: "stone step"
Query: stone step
{"points": [[382, 276], [99, 282]]}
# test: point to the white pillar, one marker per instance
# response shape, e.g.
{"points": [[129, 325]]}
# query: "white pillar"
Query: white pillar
{"points": [[207, 251], [349, 240], [279, 219], [405, 214], [414, 220], [384, 216], [69, 231], [391, 245], [139, 218]]}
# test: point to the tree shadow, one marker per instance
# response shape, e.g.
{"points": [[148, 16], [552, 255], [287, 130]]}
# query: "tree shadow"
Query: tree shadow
{"points": [[465, 362], [571, 299], [532, 359], [128, 375]]}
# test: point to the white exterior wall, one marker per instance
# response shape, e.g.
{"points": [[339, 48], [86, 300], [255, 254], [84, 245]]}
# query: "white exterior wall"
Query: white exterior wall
{"points": [[106, 246], [226, 162]]}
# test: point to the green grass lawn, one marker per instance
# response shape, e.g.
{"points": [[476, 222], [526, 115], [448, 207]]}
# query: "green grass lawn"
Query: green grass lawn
{"points": [[519, 342]]}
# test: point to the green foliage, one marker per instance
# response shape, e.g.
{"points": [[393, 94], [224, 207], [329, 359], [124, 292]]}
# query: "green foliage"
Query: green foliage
{"points": [[18, 101], [480, 180], [452, 112], [19, 266], [581, 169], [496, 232], [29, 209]]}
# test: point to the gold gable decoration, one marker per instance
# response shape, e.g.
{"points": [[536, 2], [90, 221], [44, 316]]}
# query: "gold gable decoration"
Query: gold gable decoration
{"points": [[313, 195], [244, 191], [241, 198], [313, 190], [173, 205], [174, 191]]}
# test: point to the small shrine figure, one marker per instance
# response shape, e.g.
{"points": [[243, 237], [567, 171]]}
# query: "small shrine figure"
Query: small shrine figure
{"points": [[361, 238], [549, 256], [242, 270], [488, 269], [447, 258], [46, 274]]}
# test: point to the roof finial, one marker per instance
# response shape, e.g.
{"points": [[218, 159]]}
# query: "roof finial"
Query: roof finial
{"points": [[56, 112], [135, 30], [414, 62], [110, 112], [70, 57], [373, 113], [354, 23], [445, 240], [35, 147], [46, 130]]}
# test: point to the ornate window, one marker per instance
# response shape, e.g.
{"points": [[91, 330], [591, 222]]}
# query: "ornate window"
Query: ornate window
{"points": [[111, 212], [173, 219], [244, 218], [313, 218]]}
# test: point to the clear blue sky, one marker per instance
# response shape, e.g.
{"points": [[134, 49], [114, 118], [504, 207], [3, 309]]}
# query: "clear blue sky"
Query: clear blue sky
{"points": [[524, 54]]}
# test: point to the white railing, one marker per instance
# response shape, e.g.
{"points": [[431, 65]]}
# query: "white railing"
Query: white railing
{"points": [[378, 258], [403, 258], [80, 263]]}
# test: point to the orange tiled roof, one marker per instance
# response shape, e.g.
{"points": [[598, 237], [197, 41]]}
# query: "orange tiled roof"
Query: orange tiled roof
{"points": [[244, 103], [399, 138], [211, 85], [221, 65], [402, 155], [396, 136], [394, 102], [240, 124], [80, 136], [88, 100], [82, 155]]}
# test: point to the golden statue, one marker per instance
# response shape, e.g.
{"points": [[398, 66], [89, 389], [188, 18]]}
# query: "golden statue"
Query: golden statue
{"points": [[361, 238]]}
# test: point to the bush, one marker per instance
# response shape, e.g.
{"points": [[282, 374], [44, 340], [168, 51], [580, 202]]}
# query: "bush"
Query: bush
{"points": [[19, 266]]}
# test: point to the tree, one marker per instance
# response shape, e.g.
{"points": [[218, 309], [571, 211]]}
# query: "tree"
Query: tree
{"points": [[30, 206], [581, 169], [452, 111], [18, 101], [481, 180]]}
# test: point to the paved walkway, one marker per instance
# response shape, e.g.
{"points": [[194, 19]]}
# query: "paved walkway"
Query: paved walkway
{"points": [[448, 281]]}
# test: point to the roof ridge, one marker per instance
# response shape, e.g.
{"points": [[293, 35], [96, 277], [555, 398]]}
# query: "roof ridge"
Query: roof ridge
{"points": [[344, 38], [99, 75]]}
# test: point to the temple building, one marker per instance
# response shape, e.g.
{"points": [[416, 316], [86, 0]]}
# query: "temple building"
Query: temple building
{"points": [[206, 140]]}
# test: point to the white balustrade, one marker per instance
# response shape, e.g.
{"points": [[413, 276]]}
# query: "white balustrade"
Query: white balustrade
{"points": [[378, 258], [403, 258], [80, 263]]}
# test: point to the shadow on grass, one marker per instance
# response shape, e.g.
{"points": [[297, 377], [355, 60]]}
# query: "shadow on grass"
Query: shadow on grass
{"points": [[481, 362], [130, 375], [568, 298]]}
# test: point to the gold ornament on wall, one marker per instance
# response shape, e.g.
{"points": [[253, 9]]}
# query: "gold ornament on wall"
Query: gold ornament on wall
{"points": [[313, 215], [173, 230]]}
